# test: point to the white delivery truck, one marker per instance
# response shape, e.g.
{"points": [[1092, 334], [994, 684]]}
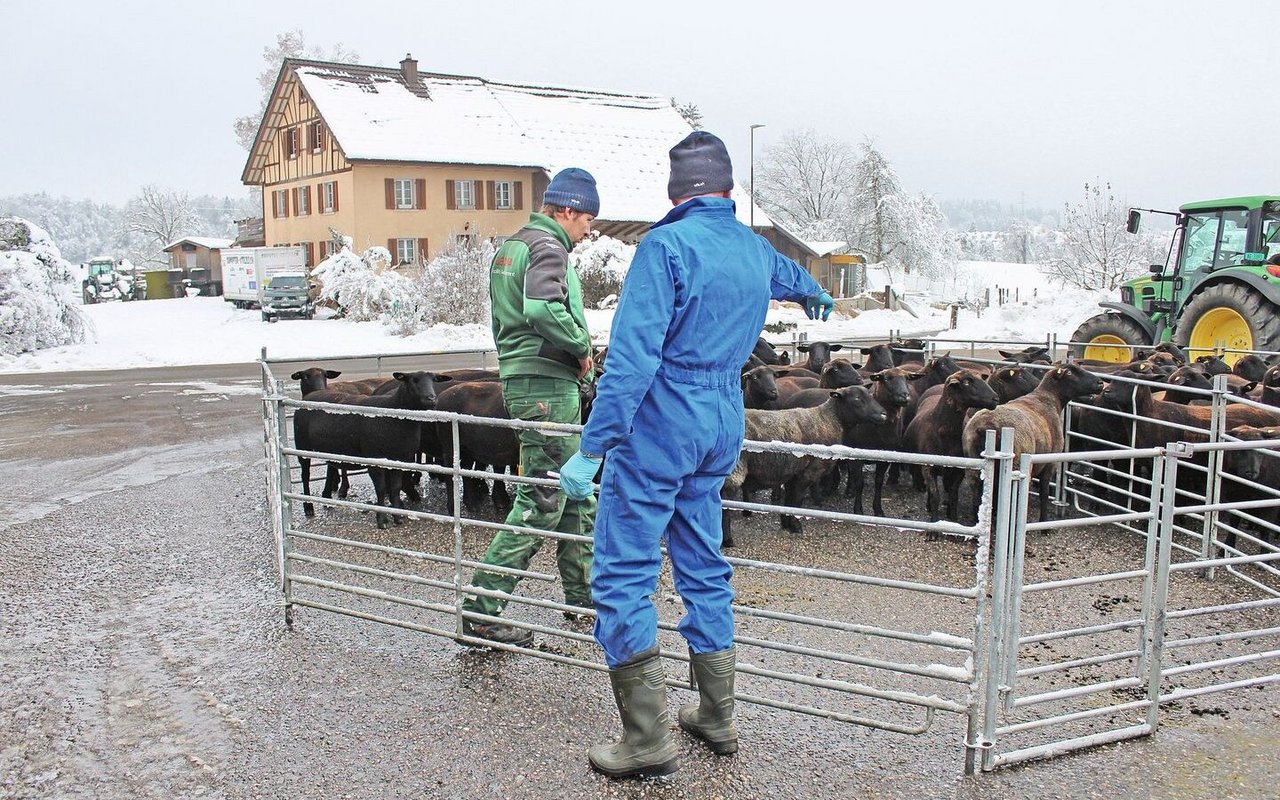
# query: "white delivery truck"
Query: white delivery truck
{"points": [[246, 270]]}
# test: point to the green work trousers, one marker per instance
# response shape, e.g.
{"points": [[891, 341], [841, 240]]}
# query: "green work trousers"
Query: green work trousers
{"points": [[543, 507]]}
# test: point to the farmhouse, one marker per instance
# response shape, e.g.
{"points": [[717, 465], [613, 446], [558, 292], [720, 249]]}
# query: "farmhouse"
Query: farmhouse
{"points": [[414, 161]]}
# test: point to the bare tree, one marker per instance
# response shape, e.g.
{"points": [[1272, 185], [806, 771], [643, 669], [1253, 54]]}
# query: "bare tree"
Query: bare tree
{"points": [[807, 181], [1094, 250], [290, 44], [155, 218]]}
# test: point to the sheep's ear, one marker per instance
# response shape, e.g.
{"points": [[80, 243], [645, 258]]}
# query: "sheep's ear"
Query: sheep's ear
{"points": [[1059, 372], [399, 376], [297, 376], [331, 373], [442, 378], [866, 351], [834, 392], [915, 376], [803, 348], [837, 347], [876, 376], [781, 373], [1250, 386], [988, 376], [1005, 354], [856, 366]]}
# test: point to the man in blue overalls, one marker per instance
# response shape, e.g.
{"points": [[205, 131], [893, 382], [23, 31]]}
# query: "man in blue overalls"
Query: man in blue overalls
{"points": [[669, 415]]}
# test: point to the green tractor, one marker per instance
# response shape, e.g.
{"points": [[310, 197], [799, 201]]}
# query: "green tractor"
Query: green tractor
{"points": [[1221, 295]]}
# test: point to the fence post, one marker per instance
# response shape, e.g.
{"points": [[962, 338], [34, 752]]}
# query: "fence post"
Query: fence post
{"points": [[1213, 479], [1160, 595], [1156, 509], [955, 317], [278, 482], [998, 495]]}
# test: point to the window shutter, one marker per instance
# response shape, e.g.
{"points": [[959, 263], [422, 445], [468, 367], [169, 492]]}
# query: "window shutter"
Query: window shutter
{"points": [[306, 190], [275, 205], [335, 195], [477, 194], [310, 254], [422, 250], [517, 195], [491, 193], [420, 193], [284, 202], [391, 192], [319, 201], [449, 200], [297, 208], [391, 248]]}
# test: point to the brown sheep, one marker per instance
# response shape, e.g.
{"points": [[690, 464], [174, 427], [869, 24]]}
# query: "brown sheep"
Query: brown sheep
{"points": [[1036, 420]]}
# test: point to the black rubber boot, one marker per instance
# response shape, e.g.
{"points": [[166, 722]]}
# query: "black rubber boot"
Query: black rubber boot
{"points": [[499, 632], [647, 748], [711, 718]]}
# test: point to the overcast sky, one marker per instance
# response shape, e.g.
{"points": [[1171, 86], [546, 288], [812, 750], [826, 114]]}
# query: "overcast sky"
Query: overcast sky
{"points": [[1010, 101]]}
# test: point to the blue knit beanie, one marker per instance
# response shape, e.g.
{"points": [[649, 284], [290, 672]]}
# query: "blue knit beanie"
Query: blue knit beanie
{"points": [[574, 188], [699, 165]]}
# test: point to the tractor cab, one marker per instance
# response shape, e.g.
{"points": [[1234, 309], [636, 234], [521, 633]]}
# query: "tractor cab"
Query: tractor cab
{"points": [[1216, 293]]}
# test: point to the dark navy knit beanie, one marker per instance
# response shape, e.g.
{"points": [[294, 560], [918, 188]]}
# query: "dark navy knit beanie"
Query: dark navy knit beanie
{"points": [[574, 188], [699, 165]]}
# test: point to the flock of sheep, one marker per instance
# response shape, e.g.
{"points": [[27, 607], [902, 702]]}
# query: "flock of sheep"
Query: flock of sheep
{"points": [[891, 401]]}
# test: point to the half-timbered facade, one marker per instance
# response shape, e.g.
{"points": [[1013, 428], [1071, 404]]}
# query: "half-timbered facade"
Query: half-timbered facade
{"points": [[411, 161]]}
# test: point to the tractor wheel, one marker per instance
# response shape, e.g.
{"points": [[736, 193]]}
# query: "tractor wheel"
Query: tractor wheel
{"points": [[1231, 316], [1108, 329]]}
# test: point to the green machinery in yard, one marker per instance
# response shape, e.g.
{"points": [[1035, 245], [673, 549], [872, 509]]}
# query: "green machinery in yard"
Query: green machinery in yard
{"points": [[1219, 291]]}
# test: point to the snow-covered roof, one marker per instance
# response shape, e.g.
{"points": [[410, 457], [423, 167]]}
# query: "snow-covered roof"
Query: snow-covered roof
{"points": [[824, 248], [375, 114], [208, 242]]}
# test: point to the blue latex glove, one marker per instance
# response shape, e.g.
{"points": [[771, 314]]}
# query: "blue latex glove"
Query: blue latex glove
{"points": [[576, 475], [821, 303]]}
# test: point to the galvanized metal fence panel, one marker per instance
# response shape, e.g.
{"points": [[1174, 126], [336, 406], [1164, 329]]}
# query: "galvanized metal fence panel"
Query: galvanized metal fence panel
{"points": [[824, 634]]}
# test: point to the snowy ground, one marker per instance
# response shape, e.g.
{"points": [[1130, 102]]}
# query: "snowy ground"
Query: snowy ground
{"points": [[208, 330]]}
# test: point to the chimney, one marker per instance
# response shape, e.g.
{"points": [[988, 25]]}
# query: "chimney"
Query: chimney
{"points": [[409, 70]]}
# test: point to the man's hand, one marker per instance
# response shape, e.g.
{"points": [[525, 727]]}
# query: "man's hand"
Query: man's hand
{"points": [[819, 304], [577, 474], [585, 366]]}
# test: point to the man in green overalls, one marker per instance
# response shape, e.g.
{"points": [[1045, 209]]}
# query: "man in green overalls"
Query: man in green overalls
{"points": [[544, 349]]}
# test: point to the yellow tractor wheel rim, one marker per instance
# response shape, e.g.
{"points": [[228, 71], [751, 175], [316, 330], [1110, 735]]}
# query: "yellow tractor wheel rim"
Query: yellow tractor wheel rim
{"points": [[1114, 355], [1220, 327]]}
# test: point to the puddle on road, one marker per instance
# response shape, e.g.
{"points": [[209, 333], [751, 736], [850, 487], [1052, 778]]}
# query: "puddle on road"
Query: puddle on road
{"points": [[83, 479]]}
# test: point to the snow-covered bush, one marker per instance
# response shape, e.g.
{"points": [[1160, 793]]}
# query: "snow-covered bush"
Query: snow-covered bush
{"points": [[38, 293], [602, 263], [455, 284], [361, 286]]}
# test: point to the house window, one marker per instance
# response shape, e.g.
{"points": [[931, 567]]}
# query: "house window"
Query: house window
{"points": [[315, 135], [463, 194], [465, 239], [291, 143], [502, 194], [406, 251], [404, 194], [329, 197], [280, 203], [304, 201]]}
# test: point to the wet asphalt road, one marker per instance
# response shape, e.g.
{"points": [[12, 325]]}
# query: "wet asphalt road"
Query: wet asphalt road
{"points": [[143, 651]]}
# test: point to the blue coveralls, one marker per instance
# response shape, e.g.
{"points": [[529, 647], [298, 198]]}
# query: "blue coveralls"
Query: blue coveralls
{"points": [[668, 413]]}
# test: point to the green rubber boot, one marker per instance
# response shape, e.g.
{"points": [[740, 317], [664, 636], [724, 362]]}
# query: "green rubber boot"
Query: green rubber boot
{"points": [[711, 718], [647, 748]]}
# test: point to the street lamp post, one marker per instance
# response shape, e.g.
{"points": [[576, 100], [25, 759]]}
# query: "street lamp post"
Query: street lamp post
{"points": [[751, 196]]}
